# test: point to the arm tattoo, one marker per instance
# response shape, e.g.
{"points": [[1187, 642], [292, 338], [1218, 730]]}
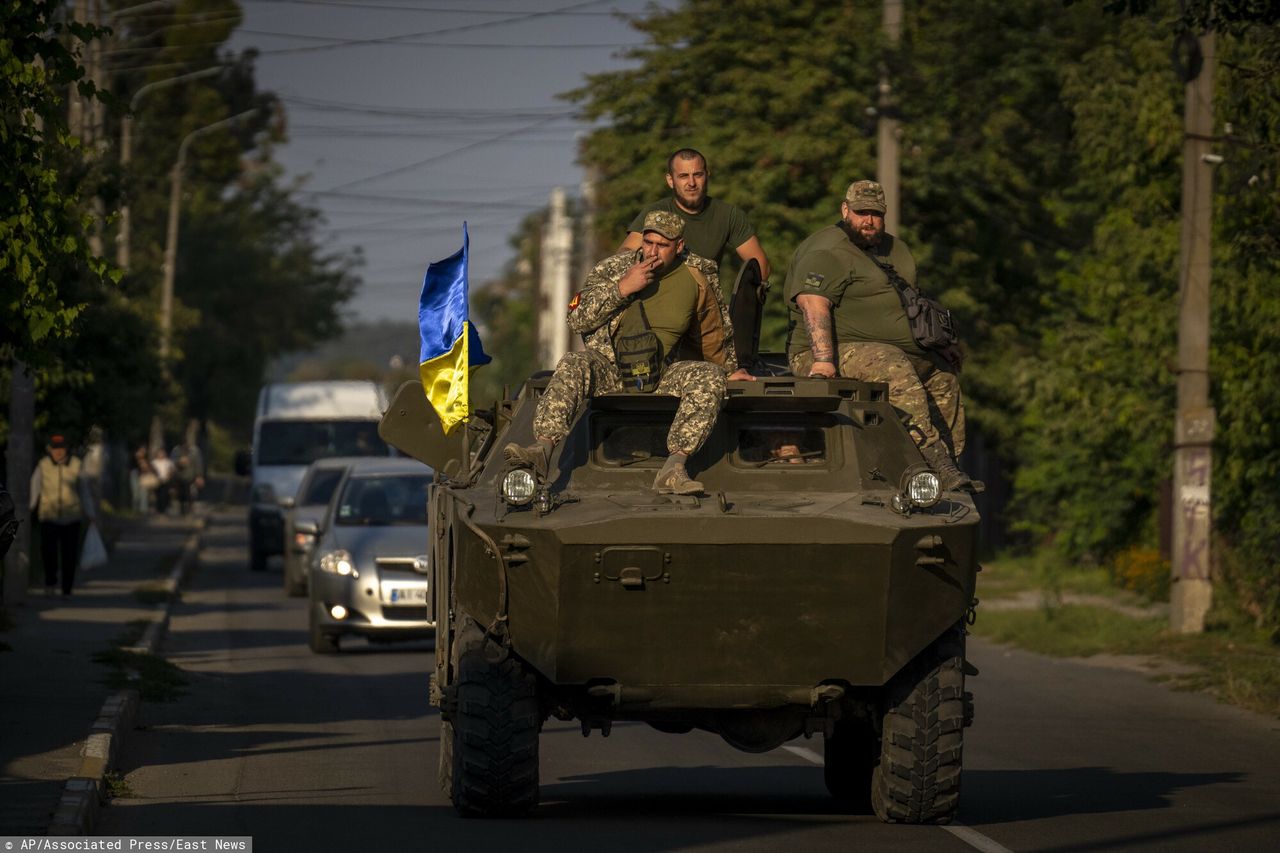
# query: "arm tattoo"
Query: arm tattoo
{"points": [[817, 320]]}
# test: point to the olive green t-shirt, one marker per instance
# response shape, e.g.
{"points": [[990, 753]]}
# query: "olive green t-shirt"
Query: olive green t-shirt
{"points": [[707, 233], [864, 305], [669, 305]]}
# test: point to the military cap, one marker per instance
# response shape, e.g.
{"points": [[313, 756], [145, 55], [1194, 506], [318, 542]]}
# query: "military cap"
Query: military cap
{"points": [[665, 223], [865, 195]]}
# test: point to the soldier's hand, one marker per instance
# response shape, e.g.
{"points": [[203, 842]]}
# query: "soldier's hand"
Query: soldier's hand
{"points": [[743, 374], [639, 276], [954, 356], [822, 370]]}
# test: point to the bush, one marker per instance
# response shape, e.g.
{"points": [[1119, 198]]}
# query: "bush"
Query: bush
{"points": [[1141, 570]]}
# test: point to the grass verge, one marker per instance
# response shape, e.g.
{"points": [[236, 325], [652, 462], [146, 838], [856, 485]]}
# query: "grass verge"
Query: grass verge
{"points": [[1229, 660], [155, 679]]}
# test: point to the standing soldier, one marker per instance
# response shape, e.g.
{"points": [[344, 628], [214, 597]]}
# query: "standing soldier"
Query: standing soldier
{"points": [[847, 319], [710, 225], [652, 324]]}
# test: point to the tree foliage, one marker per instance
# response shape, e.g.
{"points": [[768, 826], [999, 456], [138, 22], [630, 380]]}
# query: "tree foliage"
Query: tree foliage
{"points": [[44, 254]]}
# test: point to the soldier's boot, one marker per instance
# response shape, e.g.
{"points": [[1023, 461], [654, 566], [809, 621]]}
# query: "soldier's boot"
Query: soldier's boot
{"points": [[536, 456], [949, 473], [673, 479]]}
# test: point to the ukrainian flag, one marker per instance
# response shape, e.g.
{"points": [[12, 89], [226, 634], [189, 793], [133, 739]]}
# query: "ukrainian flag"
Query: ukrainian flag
{"points": [[450, 344]]}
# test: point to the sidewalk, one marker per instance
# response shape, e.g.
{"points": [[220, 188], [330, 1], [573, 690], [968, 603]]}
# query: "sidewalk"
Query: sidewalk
{"points": [[52, 693]]}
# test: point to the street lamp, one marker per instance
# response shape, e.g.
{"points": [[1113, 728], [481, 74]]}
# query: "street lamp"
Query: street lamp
{"points": [[126, 153], [171, 252], [171, 238]]}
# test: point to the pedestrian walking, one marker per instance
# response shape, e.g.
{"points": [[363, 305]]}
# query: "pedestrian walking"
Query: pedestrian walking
{"points": [[60, 497]]}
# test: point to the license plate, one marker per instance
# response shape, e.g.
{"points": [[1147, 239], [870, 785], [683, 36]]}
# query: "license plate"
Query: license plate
{"points": [[404, 595]]}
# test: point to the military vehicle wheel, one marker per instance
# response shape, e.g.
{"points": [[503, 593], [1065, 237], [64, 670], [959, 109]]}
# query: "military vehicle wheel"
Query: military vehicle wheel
{"points": [[445, 772], [495, 735], [849, 760], [918, 778], [320, 642]]}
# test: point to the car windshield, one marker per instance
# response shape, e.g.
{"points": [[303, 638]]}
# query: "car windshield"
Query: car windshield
{"points": [[303, 442], [384, 499], [321, 486]]}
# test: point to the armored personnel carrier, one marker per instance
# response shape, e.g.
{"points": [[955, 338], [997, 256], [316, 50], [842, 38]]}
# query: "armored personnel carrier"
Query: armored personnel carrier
{"points": [[819, 588]]}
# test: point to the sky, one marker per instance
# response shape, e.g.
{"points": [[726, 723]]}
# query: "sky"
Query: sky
{"points": [[407, 117]]}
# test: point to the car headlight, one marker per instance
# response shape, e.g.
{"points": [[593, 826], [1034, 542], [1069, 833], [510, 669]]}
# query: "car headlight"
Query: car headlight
{"points": [[518, 486], [919, 488], [339, 563]]}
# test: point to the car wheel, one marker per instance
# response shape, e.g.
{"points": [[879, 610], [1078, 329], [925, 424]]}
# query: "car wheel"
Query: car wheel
{"points": [[850, 754], [495, 734], [918, 778], [321, 643]]}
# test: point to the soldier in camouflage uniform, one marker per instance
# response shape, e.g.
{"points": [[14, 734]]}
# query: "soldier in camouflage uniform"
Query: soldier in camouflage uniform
{"points": [[690, 321], [847, 320]]}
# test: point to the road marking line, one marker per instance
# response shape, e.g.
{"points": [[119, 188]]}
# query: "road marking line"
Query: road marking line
{"points": [[805, 753], [967, 834], [975, 839]]}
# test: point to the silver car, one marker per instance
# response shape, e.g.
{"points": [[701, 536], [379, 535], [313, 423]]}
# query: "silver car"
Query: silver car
{"points": [[369, 568], [308, 506]]}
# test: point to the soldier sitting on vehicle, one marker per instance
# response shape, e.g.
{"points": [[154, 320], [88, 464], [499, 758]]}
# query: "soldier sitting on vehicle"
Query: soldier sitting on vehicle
{"points": [[639, 311]]}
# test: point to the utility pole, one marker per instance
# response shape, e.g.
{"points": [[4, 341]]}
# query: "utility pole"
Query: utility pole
{"points": [[1192, 589], [887, 122], [123, 237], [171, 256], [586, 238], [557, 249]]}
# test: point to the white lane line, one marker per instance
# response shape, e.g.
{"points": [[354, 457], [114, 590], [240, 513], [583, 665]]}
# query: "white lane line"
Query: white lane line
{"points": [[975, 839], [967, 834], [805, 753]]}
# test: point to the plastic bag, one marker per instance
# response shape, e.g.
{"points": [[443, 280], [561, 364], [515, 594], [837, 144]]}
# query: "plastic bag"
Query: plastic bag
{"points": [[94, 552]]}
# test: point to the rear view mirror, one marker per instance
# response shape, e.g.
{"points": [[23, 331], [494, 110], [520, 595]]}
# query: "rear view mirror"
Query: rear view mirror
{"points": [[310, 528]]}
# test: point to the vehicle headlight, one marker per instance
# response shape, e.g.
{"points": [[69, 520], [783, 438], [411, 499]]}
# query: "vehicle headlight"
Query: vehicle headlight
{"points": [[919, 488], [924, 489], [518, 486], [339, 563]]}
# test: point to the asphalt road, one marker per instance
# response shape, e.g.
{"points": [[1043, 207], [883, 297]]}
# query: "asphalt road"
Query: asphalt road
{"points": [[328, 753]]}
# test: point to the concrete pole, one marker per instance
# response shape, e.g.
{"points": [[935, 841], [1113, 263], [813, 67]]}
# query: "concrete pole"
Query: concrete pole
{"points": [[586, 239], [171, 236], [557, 248], [887, 168], [1192, 589], [123, 237]]}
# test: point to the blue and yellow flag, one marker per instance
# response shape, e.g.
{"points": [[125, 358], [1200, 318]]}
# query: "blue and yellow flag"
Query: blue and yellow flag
{"points": [[450, 344]]}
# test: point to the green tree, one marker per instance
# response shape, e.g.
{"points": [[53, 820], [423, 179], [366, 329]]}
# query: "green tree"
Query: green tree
{"points": [[43, 250]]}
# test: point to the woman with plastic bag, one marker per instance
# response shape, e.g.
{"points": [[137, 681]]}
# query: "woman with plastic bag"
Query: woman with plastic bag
{"points": [[60, 497]]}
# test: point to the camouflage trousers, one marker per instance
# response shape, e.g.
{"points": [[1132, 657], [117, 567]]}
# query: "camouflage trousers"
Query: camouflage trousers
{"points": [[928, 392], [582, 375]]}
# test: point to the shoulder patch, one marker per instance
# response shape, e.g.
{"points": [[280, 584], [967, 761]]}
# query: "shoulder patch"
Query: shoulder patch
{"points": [[573, 303], [814, 280]]}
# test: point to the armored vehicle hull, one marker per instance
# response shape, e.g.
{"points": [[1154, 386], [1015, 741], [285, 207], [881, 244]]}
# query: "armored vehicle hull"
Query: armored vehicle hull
{"points": [[809, 590]]}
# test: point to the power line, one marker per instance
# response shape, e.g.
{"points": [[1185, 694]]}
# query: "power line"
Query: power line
{"points": [[438, 157], [404, 37]]}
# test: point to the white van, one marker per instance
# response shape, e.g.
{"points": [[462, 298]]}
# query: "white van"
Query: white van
{"points": [[296, 424]]}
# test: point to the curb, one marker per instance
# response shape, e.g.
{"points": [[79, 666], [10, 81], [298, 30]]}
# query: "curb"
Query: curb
{"points": [[84, 793]]}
